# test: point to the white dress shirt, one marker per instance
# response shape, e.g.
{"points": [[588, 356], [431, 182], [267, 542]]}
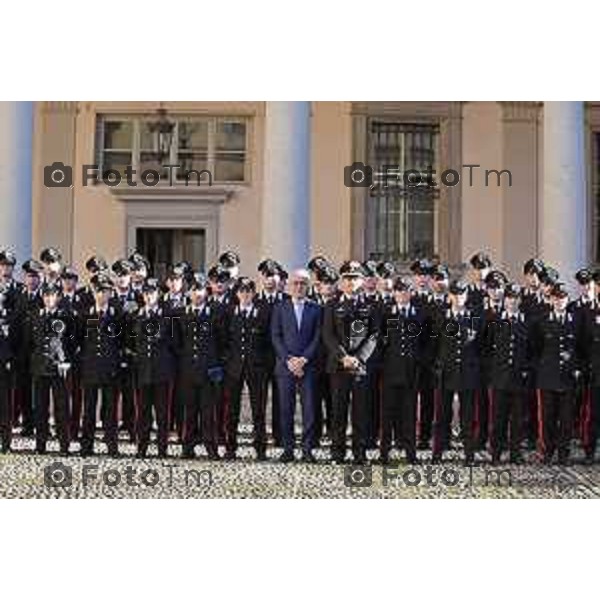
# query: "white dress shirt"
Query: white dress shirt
{"points": [[298, 310]]}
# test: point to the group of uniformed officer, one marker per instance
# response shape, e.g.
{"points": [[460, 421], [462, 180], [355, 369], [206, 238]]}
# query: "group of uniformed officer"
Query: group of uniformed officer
{"points": [[398, 355]]}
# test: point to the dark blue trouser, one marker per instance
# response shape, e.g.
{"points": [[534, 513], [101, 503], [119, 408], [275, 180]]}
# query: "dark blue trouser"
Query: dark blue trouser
{"points": [[287, 407]]}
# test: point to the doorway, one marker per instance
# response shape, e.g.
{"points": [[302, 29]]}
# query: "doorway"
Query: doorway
{"points": [[166, 246]]}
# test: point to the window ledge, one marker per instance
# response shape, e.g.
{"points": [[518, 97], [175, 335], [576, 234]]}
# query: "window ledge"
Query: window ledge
{"points": [[216, 194]]}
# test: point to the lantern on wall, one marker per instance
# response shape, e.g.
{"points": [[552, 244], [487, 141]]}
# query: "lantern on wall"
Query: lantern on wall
{"points": [[162, 130]]}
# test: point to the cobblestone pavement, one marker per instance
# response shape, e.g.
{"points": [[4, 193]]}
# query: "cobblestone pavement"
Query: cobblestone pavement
{"points": [[24, 474]]}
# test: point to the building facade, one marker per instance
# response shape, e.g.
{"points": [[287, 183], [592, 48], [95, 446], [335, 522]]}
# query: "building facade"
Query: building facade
{"points": [[279, 180]]}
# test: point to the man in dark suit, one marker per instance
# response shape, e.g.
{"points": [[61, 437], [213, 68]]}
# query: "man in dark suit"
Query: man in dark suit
{"points": [[28, 303], [403, 325], [350, 333], [533, 307], [295, 332], [269, 296], [8, 337], [247, 354], [327, 278], [557, 350], [581, 309], [101, 342], [434, 312], [52, 351], [73, 302], [173, 303], [221, 299], [507, 336], [589, 332], [458, 365], [127, 302], [199, 349], [151, 343]]}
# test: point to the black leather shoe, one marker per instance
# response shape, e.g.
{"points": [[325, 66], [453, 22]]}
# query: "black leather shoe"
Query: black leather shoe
{"points": [[495, 460], [287, 457], [359, 460], [469, 460], [565, 461], [516, 459], [309, 457], [384, 459], [188, 453], [436, 459], [261, 455], [230, 455], [338, 459], [140, 454], [588, 461]]}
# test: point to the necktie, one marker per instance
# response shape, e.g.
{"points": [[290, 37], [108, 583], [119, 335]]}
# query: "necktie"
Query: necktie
{"points": [[298, 310]]}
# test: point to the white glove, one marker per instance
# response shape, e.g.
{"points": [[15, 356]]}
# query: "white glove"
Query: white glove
{"points": [[63, 368]]}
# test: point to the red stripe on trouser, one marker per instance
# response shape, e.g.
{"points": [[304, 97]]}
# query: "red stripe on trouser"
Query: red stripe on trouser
{"points": [[380, 410], [419, 411], [170, 388], [579, 419], [437, 409], [379, 426], [585, 424], [11, 406], [491, 413], [352, 416], [184, 398], [476, 424], [136, 408], [540, 427], [222, 427]]}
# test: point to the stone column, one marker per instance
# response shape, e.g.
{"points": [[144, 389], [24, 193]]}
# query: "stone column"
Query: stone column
{"points": [[286, 187], [16, 151], [563, 232]]}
